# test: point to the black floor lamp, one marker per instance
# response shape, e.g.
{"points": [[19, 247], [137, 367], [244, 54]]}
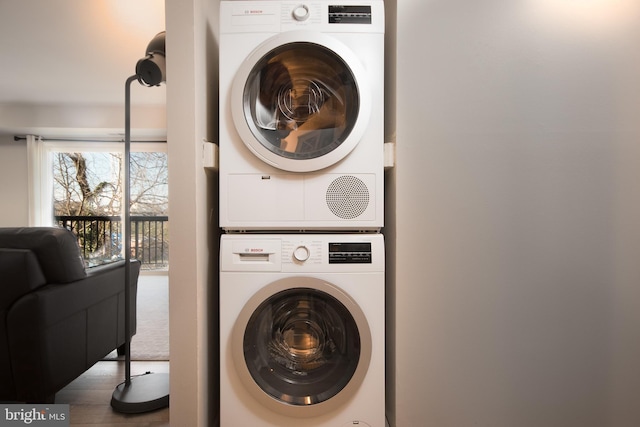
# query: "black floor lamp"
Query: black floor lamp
{"points": [[146, 392]]}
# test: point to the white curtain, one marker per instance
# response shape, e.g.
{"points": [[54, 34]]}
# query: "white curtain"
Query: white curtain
{"points": [[40, 191]]}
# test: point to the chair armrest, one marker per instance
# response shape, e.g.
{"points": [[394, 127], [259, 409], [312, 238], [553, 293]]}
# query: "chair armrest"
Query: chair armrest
{"points": [[102, 268], [60, 330], [53, 302]]}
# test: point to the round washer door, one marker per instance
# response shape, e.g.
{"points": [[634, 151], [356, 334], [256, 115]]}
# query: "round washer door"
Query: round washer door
{"points": [[301, 346], [301, 101]]}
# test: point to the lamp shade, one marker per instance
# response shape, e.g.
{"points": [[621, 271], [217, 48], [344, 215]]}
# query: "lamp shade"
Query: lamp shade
{"points": [[151, 70]]}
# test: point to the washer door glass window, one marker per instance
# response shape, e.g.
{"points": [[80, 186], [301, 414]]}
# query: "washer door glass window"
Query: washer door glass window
{"points": [[301, 100], [301, 346]]}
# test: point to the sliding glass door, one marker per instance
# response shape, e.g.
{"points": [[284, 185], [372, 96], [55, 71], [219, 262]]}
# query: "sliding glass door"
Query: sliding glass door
{"points": [[84, 186]]}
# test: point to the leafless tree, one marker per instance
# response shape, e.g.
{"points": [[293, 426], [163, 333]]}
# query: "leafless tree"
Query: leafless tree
{"points": [[149, 183], [89, 184]]}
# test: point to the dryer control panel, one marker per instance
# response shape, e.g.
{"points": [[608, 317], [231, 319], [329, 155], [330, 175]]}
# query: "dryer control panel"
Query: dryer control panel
{"points": [[327, 16]]}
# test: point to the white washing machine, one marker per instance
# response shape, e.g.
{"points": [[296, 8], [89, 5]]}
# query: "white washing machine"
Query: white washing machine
{"points": [[301, 115], [302, 330]]}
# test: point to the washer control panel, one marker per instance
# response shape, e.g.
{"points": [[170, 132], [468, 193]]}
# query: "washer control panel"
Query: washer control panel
{"points": [[301, 251], [350, 253], [304, 253], [332, 252]]}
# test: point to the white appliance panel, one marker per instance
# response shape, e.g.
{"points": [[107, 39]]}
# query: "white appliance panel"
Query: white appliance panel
{"points": [[249, 152], [255, 268]]}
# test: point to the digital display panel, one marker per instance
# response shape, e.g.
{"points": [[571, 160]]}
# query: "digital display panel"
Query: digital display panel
{"points": [[350, 253], [350, 14]]}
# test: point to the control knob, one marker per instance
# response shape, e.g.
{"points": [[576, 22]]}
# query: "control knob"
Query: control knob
{"points": [[301, 13], [301, 253]]}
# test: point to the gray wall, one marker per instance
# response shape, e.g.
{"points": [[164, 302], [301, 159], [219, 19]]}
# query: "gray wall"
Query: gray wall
{"points": [[517, 274]]}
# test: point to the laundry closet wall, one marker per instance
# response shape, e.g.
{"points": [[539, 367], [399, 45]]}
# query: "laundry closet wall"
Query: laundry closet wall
{"points": [[192, 89], [513, 227], [517, 211]]}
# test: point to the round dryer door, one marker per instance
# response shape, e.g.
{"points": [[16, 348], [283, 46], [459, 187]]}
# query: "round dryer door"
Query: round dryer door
{"points": [[301, 101], [301, 346]]}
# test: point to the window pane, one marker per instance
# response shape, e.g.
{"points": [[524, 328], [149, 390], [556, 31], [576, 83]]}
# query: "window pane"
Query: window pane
{"points": [[87, 183], [149, 209], [88, 194], [149, 183]]}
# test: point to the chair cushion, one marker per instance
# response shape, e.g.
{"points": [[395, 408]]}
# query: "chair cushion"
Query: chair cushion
{"points": [[56, 248]]}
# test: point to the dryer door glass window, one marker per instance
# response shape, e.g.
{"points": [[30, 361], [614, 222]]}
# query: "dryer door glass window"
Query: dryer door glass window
{"points": [[301, 346], [301, 100]]}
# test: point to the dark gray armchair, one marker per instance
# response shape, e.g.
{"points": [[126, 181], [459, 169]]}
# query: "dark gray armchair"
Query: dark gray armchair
{"points": [[56, 318]]}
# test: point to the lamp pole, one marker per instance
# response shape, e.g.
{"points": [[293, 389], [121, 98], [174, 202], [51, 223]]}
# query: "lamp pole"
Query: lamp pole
{"points": [[127, 227], [147, 392]]}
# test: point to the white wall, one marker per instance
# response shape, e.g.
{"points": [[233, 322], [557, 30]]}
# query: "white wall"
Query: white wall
{"points": [[89, 121], [60, 121], [191, 119], [14, 194], [518, 214]]}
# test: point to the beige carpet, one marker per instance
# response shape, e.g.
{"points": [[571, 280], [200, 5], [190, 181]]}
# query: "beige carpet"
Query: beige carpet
{"points": [[151, 341]]}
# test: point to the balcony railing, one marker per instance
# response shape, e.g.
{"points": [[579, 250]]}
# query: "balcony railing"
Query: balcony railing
{"points": [[101, 238]]}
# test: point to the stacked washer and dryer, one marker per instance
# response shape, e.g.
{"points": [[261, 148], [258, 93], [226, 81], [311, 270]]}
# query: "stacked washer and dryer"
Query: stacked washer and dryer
{"points": [[302, 295]]}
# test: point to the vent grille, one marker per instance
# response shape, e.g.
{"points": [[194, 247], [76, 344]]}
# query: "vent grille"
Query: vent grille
{"points": [[347, 197]]}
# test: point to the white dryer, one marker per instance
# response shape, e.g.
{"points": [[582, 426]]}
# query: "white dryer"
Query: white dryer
{"points": [[301, 115], [302, 330]]}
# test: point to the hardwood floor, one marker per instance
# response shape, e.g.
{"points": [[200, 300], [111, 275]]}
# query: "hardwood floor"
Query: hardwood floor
{"points": [[89, 397]]}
